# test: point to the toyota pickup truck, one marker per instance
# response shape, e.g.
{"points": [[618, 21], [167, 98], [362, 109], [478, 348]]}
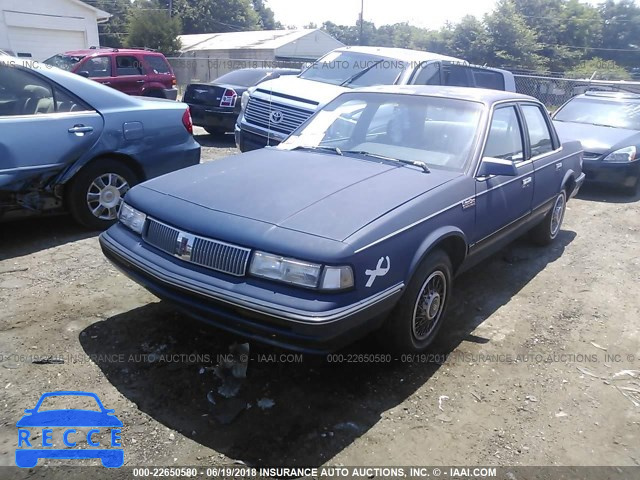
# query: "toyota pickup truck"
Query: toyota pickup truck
{"points": [[275, 108]]}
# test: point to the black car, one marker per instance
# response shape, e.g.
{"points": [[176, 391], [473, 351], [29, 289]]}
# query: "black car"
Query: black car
{"points": [[608, 126], [215, 105]]}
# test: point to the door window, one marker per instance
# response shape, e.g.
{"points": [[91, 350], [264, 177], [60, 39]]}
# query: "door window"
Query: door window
{"points": [[488, 78], [505, 137], [23, 93], [128, 65], [539, 134], [455, 75], [97, 67], [429, 75]]}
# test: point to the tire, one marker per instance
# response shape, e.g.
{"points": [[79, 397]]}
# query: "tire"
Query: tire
{"points": [[410, 329], [96, 191], [215, 131], [548, 229]]}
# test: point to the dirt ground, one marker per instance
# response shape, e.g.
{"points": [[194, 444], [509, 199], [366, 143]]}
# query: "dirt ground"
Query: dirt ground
{"points": [[536, 365]]}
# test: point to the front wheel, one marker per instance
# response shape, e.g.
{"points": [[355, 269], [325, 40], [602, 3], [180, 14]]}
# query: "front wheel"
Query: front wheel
{"points": [[548, 229], [416, 320], [96, 192]]}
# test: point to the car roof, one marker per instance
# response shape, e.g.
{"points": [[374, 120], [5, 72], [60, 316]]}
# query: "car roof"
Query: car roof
{"points": [[482, 95], [98, 51], [403, 54]]}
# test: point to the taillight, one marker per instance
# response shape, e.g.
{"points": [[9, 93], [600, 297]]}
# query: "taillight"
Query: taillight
{"points": [[187, 122], [229, 98], [174, 82]]}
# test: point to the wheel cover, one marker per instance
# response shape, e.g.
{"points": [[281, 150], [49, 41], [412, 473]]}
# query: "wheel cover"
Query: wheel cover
{"points": [[105, 195], [557, 214], [429, 305]]}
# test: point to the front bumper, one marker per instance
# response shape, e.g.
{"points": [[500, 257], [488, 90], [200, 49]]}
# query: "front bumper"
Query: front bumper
{"points": [[622, 174], [299, 329], [247, 140]]}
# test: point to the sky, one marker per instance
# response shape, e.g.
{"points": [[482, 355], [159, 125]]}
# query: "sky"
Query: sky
{"points": [[422, 13]]}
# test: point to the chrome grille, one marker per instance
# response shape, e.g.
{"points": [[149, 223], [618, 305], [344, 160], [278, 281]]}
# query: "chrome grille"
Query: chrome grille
{"points": [[206, 252], [258, 112]]}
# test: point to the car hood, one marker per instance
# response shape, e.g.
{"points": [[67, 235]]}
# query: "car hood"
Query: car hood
{"points": [[69, 418], [325, 195], [595, 138], [292, 86]]}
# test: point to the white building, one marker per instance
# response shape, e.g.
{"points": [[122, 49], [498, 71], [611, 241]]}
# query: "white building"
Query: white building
{"points": [[42, 28], [270, 45]]}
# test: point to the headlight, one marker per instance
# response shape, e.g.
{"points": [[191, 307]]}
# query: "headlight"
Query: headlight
{"points": [[244, 100], [131, 218], [286, 270], [301, 273], [626, 154]]}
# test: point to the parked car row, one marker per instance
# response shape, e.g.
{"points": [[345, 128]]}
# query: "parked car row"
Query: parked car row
{"points": [[357, 221]]}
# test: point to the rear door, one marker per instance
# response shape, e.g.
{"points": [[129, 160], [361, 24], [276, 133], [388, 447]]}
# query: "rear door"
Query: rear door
{"points": [[98, 68], [130, 74], [544, 153], [43, 128]]}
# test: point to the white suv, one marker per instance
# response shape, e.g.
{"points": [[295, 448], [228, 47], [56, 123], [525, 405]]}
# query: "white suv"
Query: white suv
{"points": [[274, 109]]}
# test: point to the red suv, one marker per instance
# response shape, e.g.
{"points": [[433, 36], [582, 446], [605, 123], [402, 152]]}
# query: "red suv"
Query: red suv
{"points": [[132, 71]]}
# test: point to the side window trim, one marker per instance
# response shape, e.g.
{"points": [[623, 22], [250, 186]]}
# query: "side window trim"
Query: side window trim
{"points": [[523, 142], [555, 141]]}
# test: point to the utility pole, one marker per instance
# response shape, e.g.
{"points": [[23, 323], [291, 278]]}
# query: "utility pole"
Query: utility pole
{"points": [[361, 20], [170, 8]]}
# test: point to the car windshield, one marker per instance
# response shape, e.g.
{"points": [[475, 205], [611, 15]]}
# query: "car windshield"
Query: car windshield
{"points": [[608, 113], [64, 402], [439, 132], [65, 62], [352, 69]]}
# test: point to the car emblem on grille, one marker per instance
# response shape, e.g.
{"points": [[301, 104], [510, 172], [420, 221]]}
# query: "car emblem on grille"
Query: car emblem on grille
{"points": [[184, 245], [276, 116]]}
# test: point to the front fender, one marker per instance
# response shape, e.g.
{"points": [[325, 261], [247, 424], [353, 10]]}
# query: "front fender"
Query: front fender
{"points": [[434, 240]]}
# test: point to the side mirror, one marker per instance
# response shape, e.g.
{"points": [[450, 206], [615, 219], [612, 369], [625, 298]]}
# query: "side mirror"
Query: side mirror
{"points": [[84, 74], [497, 166]]}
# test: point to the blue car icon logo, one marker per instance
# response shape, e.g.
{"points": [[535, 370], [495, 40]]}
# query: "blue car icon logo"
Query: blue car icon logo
{"points": [[36, 432]]}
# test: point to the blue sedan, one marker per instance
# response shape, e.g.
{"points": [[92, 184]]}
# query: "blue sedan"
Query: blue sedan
{"points": [[71, 144], [358, 221]]}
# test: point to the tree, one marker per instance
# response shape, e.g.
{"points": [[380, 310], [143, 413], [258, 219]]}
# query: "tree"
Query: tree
{"points": [[211, 16], [599, 69], [267, 19], [469, 40], [511, 43], [114, 31], [621, 32], [152, 27]]}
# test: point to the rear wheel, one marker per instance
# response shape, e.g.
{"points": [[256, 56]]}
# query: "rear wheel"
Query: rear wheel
{"points": [[96, 192], [548, 229], [154, 94], [416, 320]]}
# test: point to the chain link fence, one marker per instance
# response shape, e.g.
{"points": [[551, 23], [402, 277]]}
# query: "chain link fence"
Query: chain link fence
{"points": [[202, 70], [553, 92]]}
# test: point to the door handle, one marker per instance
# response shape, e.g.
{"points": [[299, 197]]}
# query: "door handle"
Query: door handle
{"points": [[558, 166], [139, 81], [80, 130], [106, 83], [526, 182]]}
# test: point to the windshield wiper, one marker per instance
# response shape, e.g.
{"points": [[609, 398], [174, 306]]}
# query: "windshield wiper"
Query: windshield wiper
{"points": [[415, 163], [335, 150], [357, 75]]}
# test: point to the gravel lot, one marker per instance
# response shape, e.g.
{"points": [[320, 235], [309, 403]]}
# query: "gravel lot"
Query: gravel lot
{"points": [[523, 374]]}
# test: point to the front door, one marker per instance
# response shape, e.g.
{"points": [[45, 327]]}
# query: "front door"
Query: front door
{"points": [[503, 202]]}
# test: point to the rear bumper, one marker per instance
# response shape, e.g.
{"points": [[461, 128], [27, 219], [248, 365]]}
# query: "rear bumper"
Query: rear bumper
{"points": [[622, 174], [213, 118], [170, 93], [578, 185], [292, 328]]}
